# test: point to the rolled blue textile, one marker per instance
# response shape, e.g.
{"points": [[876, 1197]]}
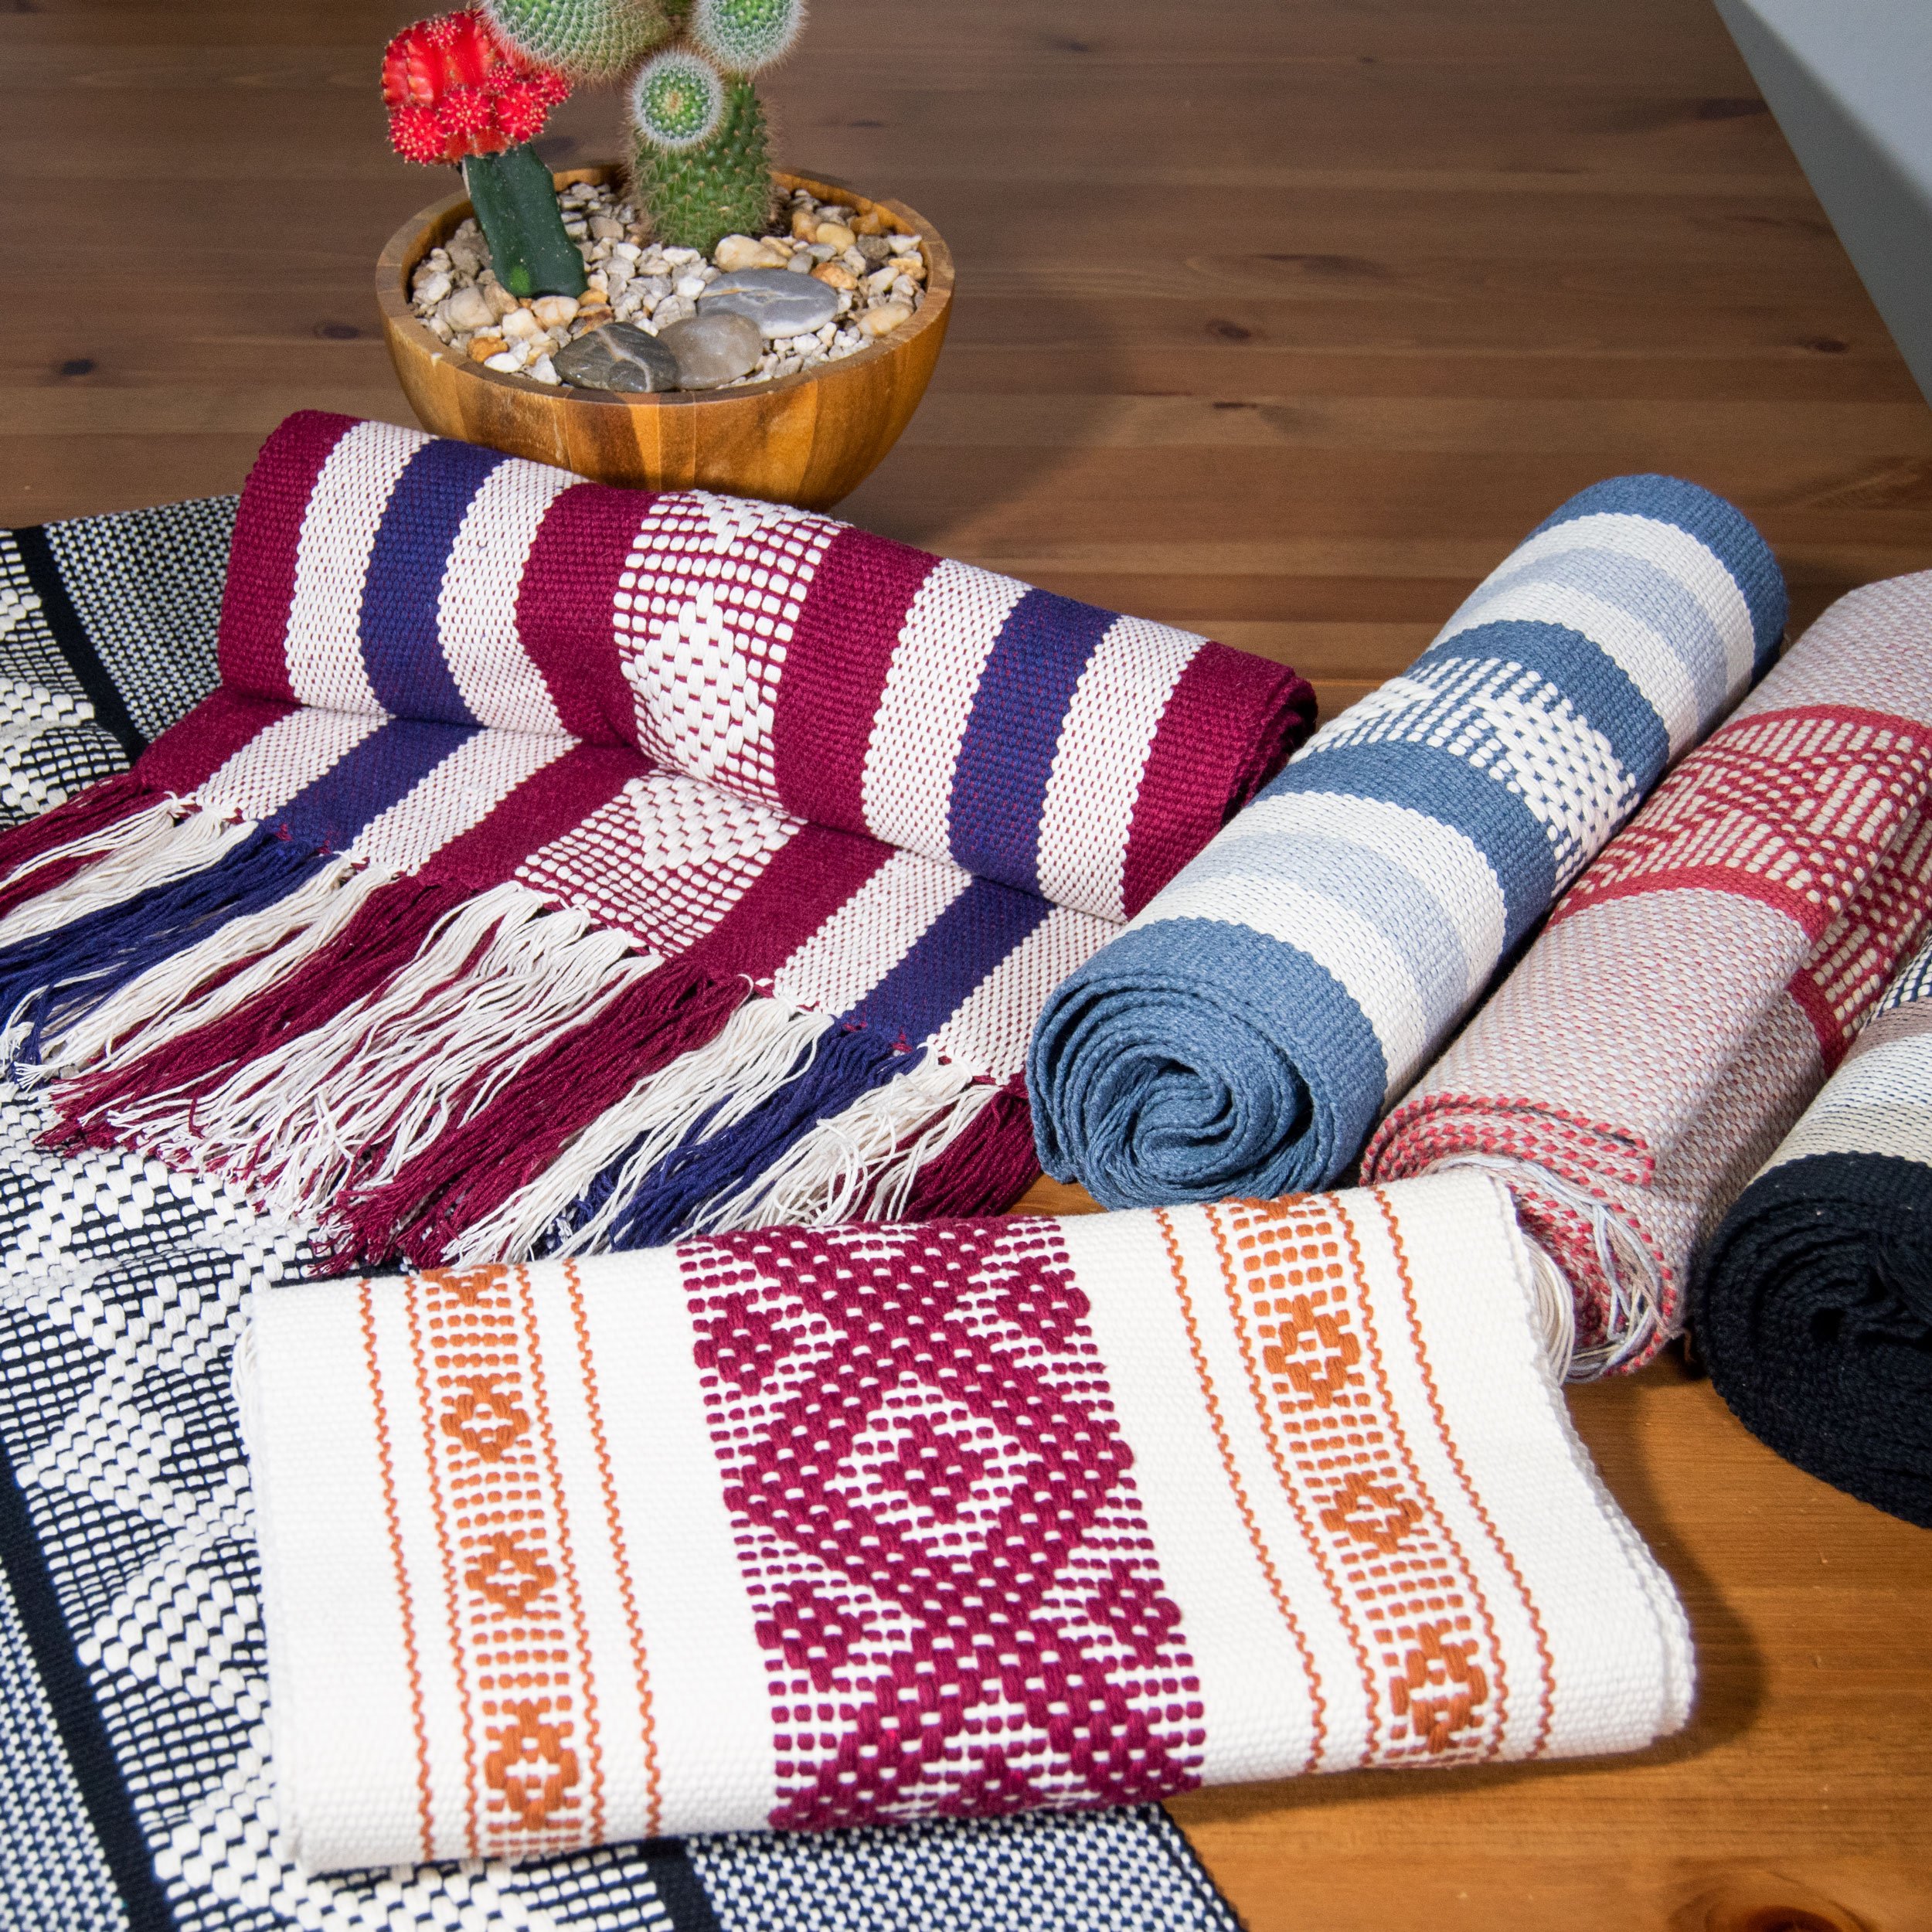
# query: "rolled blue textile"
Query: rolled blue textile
{"points": [[1246, 1029]]}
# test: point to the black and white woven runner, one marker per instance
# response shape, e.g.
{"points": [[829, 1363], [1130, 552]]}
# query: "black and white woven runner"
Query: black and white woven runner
{"points": [[134, 1790]]}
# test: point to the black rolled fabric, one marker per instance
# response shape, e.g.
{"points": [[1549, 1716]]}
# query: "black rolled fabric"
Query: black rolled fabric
{"points": [[1812, 1304], [1813, 1313]]}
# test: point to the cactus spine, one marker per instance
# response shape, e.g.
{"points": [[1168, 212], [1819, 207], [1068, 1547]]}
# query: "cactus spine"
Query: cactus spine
{"points": [[589, 40], [698, 194]]}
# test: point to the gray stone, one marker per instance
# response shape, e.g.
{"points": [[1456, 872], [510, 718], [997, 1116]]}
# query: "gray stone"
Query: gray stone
{"points": [[780, 302], [617, 356], [875, 248], [712, 349]]}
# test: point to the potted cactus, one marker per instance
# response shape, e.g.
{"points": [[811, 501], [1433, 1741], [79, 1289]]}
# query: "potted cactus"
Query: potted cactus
{"points": [[571, 317]]}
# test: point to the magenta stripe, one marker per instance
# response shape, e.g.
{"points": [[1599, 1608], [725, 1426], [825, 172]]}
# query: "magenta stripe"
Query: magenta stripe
{"points": [[1229, 727], [565, 608], [253, 650], [808, 878], [835, 665]]}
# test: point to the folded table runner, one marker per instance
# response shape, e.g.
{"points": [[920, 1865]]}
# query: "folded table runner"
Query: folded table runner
{"points": [[801, 1528], [1244, 1032], [1697, 986], [1812, 1306], [527, 883]]}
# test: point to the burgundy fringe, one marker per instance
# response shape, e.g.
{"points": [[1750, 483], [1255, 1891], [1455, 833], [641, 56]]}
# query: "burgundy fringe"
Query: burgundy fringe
{"points": [[379, 941], [987, 1169], [473, 1169], [93, 809]]}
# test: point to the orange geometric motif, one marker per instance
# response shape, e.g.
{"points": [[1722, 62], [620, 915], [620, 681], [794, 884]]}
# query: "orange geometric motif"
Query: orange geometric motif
{"points": [[531, 1766], [1401, 1583], [514, 1624], [479, 1401]]}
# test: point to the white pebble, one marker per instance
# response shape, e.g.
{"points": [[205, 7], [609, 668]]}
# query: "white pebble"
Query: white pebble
{"points": [[508, 362], [691, 287], [521, 325], [629, 251], [544, 370], [431, 288], [554, 310]]}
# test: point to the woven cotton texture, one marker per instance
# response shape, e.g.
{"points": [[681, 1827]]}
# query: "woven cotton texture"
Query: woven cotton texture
{"points": [[810, 1529], [1696, 987], [135, 1776], [1812, 1307], [1245, 1032], [558, 868]]}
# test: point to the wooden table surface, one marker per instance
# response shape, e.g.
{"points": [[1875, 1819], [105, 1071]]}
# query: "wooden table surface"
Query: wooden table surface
{"points": [[1280, 319]]}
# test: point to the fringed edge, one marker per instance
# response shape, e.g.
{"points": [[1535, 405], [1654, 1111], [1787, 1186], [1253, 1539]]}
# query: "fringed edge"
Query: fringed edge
{"points": [[349, 1104], [390, 929], [49, 849], [765, 1043], [485, 1172]]}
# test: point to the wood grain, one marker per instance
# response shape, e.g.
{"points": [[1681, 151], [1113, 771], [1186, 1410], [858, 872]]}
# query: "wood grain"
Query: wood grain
{"points": [[810, 439], [1281, 321]]}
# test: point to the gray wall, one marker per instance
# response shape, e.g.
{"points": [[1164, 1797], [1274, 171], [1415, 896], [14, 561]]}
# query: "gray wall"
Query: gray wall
{"points": [[1850, 82]]}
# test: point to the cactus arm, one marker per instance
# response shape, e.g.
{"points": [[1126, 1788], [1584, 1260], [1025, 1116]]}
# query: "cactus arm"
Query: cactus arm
{"points": [[746, 36], [516, 207], [721, 186], [588, 40]]}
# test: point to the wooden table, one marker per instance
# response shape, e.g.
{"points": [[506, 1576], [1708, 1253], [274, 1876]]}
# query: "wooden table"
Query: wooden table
{"points": [[1281, 319]]}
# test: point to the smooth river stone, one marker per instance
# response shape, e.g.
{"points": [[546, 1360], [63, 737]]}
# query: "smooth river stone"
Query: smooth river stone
{"points": [[780, 302], [712, 349], [617, 356]]}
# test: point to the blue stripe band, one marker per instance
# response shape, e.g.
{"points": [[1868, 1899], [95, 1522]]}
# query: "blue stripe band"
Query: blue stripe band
{"points": [[364, 783], [1723, 530], [401, 649], [1439, 785], [947, 961], [1006, 755], [1595, 683]]}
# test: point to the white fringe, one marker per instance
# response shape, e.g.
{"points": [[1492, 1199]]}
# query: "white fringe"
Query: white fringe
{"points": [[103, 839], [156, 1008], [355, 1099], [749, 1061], [852, 1166], [153, 848]]}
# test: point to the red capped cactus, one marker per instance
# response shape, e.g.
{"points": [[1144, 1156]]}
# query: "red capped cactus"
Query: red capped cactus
{"points": [[458, 93]]}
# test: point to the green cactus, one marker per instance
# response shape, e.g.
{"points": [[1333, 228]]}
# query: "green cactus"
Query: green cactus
{"points": [[677, 101], [587, 40], [744, 35], [722, 186], [699, 163]]}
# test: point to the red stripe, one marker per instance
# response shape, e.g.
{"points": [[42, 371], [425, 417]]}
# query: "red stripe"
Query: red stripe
{"points": [[835, 675], [261, 569], [566, 603], [187, 755], [1228, 729], [809, 878], [550, 802], [987, 1169]]}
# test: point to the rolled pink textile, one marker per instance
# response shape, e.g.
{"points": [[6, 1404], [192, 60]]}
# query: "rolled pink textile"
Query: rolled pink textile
{"points": [[1701, 981]]}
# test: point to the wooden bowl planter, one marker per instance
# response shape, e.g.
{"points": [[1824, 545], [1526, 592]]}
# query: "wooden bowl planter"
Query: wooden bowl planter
{"points": [[807, 438]]}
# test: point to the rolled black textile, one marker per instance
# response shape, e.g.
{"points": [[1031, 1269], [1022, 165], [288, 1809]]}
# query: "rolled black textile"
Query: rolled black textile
{"points": [[1813, 1309]]}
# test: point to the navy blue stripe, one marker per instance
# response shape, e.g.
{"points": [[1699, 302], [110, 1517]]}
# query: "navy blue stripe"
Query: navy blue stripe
{"points": [[1586, 674], [401, 649], [1006, 756], [1439, 785], [947, 961], [97, 1771], [384, 768]]}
